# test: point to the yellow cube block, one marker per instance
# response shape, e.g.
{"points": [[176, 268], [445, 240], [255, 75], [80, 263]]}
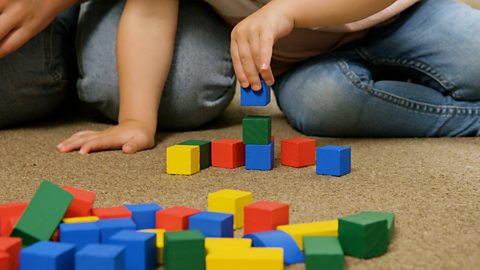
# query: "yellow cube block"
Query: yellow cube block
{"points": [[160, 233], [298, 231], [220, 244], [80, 219], [183, 159], [243, 259], [230, 201]]}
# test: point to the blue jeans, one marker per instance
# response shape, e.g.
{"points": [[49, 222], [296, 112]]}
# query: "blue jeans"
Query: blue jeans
{"points": [[416, 77]]}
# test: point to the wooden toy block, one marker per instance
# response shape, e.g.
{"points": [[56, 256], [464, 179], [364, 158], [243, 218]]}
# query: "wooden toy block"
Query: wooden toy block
{"points": [[212, 224], [214, 244], [249, 97], [363, 235], [242, 259], [291, 251], [205, 151], [80, 234], [298, 152], [43, 214], [48, 256], [265, 216], [333, 160], [82, 202], [323, 252], [182, 245], [389, 216], [232, 202], [298, 231], [228, 153], [9, 215], [109, 227], [183, 159], [56, 235], [112, 212], [257, 129], [174, 218], [160, 242], [100, 257], [80, 219], [10, 248], [144, 214], [140, 249], [259, 157]]}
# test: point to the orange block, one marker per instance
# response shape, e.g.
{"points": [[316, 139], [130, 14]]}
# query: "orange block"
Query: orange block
{"points": [[228, 153], [82, 202], [9, 215], [174, 218], [112, 212], [298, 152], [10, 252], [265, 216]]}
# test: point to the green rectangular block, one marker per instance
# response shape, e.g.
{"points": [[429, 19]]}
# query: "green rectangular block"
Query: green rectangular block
{"points": [[257, 129], [184, 250], [43, 214], [323, 252], [390, 220], [205, 151]]}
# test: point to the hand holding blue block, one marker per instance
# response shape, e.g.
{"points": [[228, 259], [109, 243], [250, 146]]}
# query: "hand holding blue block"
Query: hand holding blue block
{"points": [[249, 97]]}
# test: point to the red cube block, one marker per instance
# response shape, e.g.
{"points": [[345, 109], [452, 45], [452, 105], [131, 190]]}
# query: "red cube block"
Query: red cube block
{"points": [[10, 252], [298, 152], [265, 216], [9, 215], [82, 203], [228, 153], [175, 218], [5, 262], [112, 212]]}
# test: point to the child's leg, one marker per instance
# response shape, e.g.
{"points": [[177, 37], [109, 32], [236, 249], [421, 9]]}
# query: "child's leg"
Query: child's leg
{"points": [[201, 80], [416, 77]]}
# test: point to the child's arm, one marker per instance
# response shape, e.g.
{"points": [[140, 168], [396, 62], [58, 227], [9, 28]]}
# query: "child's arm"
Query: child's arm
{"points": [[145, 42], [253, 38]]}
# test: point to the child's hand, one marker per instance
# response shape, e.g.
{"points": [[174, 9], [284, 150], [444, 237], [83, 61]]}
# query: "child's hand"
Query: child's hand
{"points": [[252, 45], [130, 136]]}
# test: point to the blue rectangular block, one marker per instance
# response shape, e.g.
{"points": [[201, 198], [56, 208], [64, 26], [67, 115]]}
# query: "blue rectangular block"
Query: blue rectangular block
{"points": [[144, 214], [100, 257], [79, 234], [259, 157], [248, 97], [212, 224], [333, 160], [109, 227], [47, 256], [140, 249]]}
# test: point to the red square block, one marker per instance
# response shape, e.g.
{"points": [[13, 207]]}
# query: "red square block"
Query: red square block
{"points": [[82, 203], [112, 212], [9, 215], [298, 152], [10, 252], [228, 153], [265, 216], [175, 218], [5, 263]]}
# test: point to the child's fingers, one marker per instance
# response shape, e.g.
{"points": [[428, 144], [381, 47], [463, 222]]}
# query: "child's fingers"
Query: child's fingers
{"points": [[237, 65], [266, 51], [75, 142], [131, 147], [248, 64], [98, 144]]}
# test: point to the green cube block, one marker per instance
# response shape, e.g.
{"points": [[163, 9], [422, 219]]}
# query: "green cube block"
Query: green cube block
{"points": [[257, 130], [390, 220], [205, 152], [363, 235], [184, 250], [323, 252], [43, 214]]}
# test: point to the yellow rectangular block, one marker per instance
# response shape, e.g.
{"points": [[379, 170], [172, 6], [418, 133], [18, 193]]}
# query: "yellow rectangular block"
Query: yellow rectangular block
{"points": [[246, 259], [220, 244], [232, 202], [298, 231], [160, 233], [183, 159], [80, 219]]}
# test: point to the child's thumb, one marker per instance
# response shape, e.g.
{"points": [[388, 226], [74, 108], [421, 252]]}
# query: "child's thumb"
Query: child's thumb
{"points": [[130, 147]]}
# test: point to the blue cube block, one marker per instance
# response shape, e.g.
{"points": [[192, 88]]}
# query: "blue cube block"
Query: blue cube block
{"points": [[144, 214], [212, 224], [109, 227], [259, 157], [248, 97], [140, 249], [100, 257], [281, 239], [47, 256], [80, 234], [333, 160]]}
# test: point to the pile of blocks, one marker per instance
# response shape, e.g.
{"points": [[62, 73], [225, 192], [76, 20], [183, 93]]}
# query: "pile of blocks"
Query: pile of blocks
{"points": [[60, 229]]}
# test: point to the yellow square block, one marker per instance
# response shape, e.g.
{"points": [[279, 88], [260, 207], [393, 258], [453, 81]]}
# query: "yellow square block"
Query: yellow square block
{"points": [[246, 259], [298, 231], [214, 244], [230, 201], [160, 233], [183, 159], [80, 219]]}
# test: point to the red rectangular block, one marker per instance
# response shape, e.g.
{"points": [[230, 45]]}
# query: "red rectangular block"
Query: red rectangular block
{"points": [[82, 202], [298, 152], [10, 252], [112, 212], [9, 215], [228, 153], [265, 216], [5, 263], [174, 218]]}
